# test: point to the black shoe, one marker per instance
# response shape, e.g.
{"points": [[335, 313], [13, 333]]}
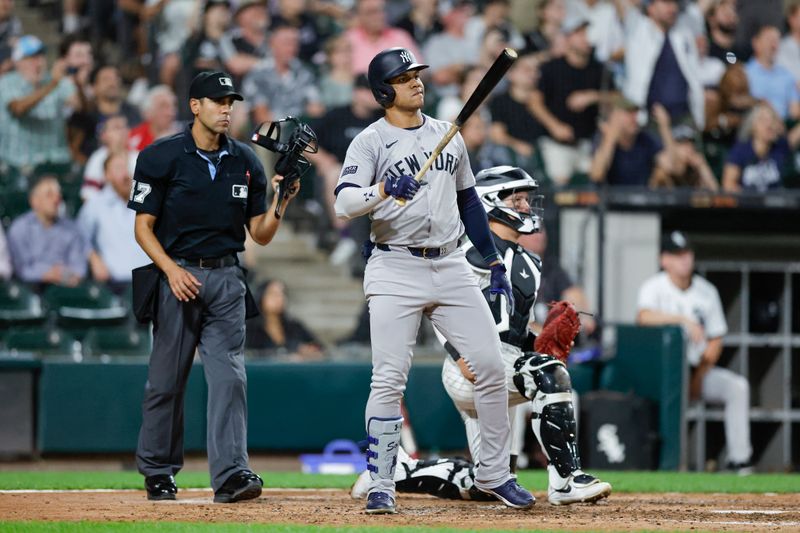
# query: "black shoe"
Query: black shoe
{"points": [[160, 487], [243, 485]]}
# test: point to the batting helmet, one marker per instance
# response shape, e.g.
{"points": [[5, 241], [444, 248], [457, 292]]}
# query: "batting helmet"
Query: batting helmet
{"points": [[385, 66], [495, 184]]}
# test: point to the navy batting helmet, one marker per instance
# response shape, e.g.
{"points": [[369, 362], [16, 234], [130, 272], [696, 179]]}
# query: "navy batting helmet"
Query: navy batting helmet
{"points": [[385, 66]]}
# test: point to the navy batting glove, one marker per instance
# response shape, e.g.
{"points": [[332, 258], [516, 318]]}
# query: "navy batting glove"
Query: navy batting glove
{"points": [[401, 187], [500, 285]]}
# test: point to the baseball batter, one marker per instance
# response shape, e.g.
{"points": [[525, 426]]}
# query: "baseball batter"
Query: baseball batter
{"points": [[416, 267]]}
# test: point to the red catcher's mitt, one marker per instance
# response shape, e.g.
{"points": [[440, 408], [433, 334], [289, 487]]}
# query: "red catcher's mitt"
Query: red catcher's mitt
{"points": [[560, 329]]}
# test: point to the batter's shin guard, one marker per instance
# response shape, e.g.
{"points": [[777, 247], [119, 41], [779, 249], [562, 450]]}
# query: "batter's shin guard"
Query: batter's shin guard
{"points": [[383, 437], [554, 426]]}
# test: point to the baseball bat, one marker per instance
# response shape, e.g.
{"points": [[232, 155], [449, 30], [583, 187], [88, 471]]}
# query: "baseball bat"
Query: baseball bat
{"points": [[489, 81]]}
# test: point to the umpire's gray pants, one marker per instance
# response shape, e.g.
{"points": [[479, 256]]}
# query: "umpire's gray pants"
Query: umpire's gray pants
{"points": [[214, 324], [400, 288]]}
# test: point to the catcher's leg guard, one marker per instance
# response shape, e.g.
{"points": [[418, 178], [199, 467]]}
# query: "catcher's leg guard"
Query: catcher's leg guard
{"points": [[450, 479]]}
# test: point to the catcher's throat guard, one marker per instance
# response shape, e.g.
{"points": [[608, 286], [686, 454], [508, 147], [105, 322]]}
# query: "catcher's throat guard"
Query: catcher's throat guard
{"points": [[290, 138]]}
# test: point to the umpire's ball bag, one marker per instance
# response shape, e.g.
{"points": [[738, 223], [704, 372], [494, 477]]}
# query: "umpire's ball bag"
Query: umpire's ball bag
{"points": [[618, 431]]}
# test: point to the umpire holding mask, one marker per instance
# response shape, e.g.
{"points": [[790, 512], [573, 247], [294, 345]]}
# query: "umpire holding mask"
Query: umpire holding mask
{"points": [[194, 194]]}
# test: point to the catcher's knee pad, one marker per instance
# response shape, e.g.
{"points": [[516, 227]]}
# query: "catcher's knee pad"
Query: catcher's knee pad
{"points": [[383, 443], [535, 372], [450, 479]]}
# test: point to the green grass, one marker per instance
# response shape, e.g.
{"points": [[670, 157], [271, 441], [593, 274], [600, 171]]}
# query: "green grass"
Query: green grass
{"points": [[536, 480]]}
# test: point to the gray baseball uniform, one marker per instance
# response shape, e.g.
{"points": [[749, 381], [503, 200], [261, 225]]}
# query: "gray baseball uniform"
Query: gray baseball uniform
{"points": [[401, 286]]}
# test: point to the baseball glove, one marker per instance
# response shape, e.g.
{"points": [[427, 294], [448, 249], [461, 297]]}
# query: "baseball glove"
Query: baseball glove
{"points": [[559, 331]]}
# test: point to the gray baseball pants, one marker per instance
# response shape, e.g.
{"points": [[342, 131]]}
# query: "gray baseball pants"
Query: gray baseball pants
{"points": [[213, 324]]}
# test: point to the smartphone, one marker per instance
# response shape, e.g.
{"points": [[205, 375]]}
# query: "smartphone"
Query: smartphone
{"points": [[72, 70]]}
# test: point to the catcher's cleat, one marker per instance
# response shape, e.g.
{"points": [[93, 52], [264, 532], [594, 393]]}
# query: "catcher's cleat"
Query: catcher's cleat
{"points": [[360, 488], [581, 488], [243, 485], [160, 487], [380, 503], [513, 495]]}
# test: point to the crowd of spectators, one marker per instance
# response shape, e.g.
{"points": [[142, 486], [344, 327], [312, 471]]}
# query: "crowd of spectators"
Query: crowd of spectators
{"points": [[698, 94]]}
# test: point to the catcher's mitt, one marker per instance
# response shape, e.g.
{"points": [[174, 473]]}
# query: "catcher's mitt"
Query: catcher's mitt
{"points": [[560, 329]]}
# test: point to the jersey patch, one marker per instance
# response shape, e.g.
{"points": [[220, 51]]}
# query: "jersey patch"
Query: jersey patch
{"points": [[350, 170], [239, 191]]}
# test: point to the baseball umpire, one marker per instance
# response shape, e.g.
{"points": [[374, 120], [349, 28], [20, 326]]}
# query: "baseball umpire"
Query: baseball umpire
{"points": [[194, 193], [416, 267]]}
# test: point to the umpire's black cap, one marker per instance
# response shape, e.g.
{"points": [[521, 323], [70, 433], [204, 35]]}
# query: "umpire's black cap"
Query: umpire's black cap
{"points": [[675, 242], [213, 85]]}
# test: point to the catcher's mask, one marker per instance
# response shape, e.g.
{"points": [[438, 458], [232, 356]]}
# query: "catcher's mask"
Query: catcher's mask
{"points": [[497, 184]]}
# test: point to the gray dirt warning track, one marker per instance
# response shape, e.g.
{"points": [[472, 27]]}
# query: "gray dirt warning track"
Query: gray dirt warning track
{"points": [[621, 512]]}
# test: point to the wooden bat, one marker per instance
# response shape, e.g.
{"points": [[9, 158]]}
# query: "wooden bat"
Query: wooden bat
{"points": [[489, 81]]}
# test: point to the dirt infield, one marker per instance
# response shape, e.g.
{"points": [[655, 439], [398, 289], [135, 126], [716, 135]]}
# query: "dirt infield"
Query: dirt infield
{"points": [[621, 512]]}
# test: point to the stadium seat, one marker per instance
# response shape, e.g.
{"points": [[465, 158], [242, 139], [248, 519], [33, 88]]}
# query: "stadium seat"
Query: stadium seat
{"points": [[19, 305], [39, 340], [15, 203], [117, 341], [87, 305]]}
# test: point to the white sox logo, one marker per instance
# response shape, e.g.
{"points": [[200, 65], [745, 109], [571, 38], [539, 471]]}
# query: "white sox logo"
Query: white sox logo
{"points": [[226, 82], [406, 57], [609, 443]]}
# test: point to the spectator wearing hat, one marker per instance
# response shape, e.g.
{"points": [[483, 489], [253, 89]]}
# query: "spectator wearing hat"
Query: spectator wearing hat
{"points": [[688, 168], [625, 153], [661, 62], [678, 296], [34, 106], [762, 158], [566, 102], [770, 81]]}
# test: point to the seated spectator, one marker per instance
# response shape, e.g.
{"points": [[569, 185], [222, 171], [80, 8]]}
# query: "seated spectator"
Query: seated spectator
{"points": [[171, 24], [5, 257], [275, 332], [422, 20], [763, 157], [10, 31], [107, 226], [159, 111], [546, 40], [336, 79], [566, 102], [678, 296], [108, 100], [449, 52], [34, 106], [688, 168], [294, 13], [728, 105], [661, 62], [45, 246], [789, 49], [626, 154], [245, 43], [513, 123], [282, 85], [770, 81], [114, 137], [370, 33]]}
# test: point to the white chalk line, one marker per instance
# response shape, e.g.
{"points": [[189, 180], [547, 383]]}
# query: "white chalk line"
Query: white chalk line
{"points": [[101, 491]]}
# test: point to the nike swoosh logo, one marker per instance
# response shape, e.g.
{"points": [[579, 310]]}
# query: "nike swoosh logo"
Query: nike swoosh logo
{"points": [[391, 144]]}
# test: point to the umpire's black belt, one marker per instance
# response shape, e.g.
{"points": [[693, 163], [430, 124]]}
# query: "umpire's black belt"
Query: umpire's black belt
{"points": [[208, 262], [427, 253]]}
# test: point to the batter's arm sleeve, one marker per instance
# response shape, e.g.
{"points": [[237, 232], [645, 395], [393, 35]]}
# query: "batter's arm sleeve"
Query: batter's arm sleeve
{"points": [[477, 225]]}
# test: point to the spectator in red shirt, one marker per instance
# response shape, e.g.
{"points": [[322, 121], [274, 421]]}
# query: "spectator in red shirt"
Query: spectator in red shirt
{"points": [[159, 111]]}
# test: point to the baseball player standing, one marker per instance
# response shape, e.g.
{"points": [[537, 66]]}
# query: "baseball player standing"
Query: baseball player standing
{"points": [[194, 193], [416, 267]]}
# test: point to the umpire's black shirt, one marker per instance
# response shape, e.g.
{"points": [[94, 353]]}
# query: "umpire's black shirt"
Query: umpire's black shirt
{"points": [[201, 208]]}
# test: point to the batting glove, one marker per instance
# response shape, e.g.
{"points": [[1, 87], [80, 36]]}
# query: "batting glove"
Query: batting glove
{"points": [[401, 187], [500, 285]]}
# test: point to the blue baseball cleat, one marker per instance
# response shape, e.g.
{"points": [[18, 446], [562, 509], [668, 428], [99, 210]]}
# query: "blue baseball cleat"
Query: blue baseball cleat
{"points": [[511, 494], [380, 503]]}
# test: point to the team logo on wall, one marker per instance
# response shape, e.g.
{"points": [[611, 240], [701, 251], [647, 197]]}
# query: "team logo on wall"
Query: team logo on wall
{"points": [[239, 191]]}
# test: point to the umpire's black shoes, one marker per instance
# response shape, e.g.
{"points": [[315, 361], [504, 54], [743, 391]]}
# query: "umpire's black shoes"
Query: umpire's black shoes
{"points": [[160, 487], [243, 485]]}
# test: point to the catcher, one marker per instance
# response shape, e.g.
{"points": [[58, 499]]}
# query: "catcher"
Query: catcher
{"points": [[539, 376]]}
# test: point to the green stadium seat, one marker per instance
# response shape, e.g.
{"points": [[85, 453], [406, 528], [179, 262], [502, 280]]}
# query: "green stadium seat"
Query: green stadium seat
{"points": [[15, 203], [117, 341], [19, 305], [39, 340], [85, 306]]}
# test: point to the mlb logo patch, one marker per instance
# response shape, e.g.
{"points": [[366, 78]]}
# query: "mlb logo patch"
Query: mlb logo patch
{"points": [[226, 82], [239, 191]]}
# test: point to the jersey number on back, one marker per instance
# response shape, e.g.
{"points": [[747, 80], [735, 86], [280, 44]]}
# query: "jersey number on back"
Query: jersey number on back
{"points": [[139, 191]]}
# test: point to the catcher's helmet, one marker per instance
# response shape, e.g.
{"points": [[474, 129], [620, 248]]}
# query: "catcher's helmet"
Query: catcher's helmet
{"points": [[385, 66], [495, 184]]}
